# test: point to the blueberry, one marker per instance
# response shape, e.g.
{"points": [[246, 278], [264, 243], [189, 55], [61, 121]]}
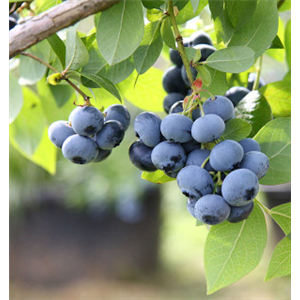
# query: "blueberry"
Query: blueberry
{"points": [[111, 135], [206, 51], [212, 209], [170, 99], [194, 182], [240, 187], [200, 37], [249, 144], [220, 106], [176, 128], [197, 157], [118, 112], [174, 54], [175, 57], [208, 128], [102, 155], [86, 120], [172, 81], [79, 149], [226, 155], [190, 205], [147, 128], [59, 131], [240, 213], [140, 156], [236, 93], [168, 156], [12, 22], [190, 146], [251, 80], [256, 162]]}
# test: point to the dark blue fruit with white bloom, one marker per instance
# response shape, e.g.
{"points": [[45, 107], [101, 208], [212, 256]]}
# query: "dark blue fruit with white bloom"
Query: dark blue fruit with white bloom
{"points": [[168, 156], [170, 99], [197, 158], [140, 156], [226, 155], [249, 144], [59, 131], [176, 128], [172, 81], [212, 209], [86, 120], [207, 128], [220, 106], [102, 155], [118, 112], [177, 108], [236, 93], [251, 81], [190, 205], [147, 128], [240, 213], [257, 162], [111, 135], [240, 187], [200, 37], [79, 149], [194, 182]]}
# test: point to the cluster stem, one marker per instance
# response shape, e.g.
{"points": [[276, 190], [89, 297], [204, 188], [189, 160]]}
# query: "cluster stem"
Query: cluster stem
{"points": [[63, 75], [180, 46]]}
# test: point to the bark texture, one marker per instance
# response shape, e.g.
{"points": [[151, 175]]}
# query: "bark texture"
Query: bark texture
{"points": [[49, 22]]}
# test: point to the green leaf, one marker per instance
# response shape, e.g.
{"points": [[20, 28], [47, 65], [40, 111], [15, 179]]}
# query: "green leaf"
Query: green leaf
{"points": [[218, 84], [15, 98], [291, 35], [120, 30], [238, 12], [232, 250], [280, 263], [147, 93], [233, 59], [149, 50], [285, 5], [154, 15], [76, 53], [255, 109], [259, 32], [156, 177], [167, 33], [58, 47], [27, 129], [44, 155], [281, 214], [102, 82], [56, 101], [188, 13], [236, 129], [204, 74], [195, 5], [275, 141], [278, 94], [276, 43], [223, 28], [30, 70], [149, 4]]}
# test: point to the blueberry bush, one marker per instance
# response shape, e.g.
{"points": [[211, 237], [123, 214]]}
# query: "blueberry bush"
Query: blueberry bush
{"points": [[209, 120]]}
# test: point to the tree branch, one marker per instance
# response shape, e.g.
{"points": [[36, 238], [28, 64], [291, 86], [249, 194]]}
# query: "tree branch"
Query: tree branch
{"points": [[49, 22]]}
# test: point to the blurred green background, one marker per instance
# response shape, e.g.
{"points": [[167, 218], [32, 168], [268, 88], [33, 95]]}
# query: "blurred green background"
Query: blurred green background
{"points": [[99, 231]]}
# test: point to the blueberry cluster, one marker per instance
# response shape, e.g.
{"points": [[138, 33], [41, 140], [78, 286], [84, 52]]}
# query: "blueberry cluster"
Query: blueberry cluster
{"points": [[90, 135], [175, 80], [219, 177]]}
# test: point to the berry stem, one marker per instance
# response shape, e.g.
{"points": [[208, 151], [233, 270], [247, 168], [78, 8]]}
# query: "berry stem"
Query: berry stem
{"points": [[180, 46], [256, 82], [205, 161], [85, 97]]}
